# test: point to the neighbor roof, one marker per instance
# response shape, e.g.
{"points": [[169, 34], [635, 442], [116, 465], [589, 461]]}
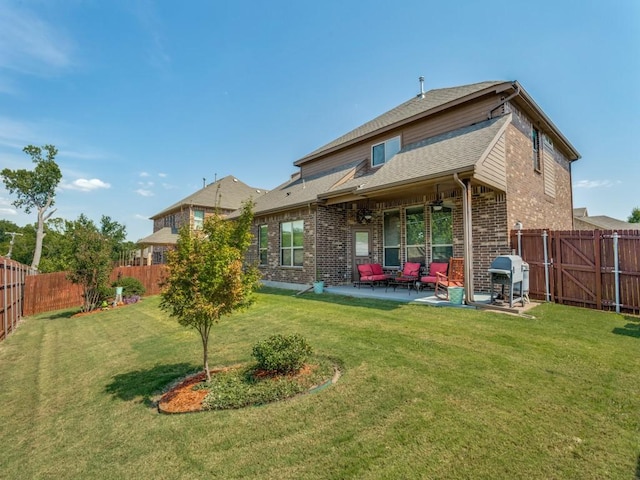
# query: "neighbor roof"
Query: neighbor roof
{"points": [[164, 236], [411, 108], [602, 222], [228, 193]]}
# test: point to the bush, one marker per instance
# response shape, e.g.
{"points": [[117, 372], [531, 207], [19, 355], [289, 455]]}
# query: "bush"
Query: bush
{"points": [[130, 286], [282, 354]]}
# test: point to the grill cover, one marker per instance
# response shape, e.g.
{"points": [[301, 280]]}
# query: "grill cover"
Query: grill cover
{"points": [[507, 265], [511, 271]]}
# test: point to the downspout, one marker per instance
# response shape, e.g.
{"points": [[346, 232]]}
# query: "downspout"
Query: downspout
{"points": [[467, 240], [502, 102]]}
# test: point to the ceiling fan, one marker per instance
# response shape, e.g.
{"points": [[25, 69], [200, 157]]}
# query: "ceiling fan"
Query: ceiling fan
{"points": [[437, 203]]}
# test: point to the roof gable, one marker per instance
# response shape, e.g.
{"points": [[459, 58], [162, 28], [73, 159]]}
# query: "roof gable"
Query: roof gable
{"points": [[228, 193], [433, 99]]}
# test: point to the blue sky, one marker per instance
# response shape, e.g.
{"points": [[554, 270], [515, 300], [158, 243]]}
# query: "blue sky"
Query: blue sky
{"points": [[146, 98]]}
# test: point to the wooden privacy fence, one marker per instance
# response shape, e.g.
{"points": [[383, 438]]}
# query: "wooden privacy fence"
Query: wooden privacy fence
{"points": [[588, 268], [12, 278], [52, 291]]}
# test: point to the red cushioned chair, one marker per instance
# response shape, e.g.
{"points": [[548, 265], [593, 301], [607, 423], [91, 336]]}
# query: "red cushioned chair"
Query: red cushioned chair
{"points": [[371, 273], [432, 275], [408, 277]]}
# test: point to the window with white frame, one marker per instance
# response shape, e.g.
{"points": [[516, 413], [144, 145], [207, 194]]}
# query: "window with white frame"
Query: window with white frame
{"points": [[262, 244], [198, 219], [441, 234], [292, 244], [415, 235], [382, 152], [391, 238]]}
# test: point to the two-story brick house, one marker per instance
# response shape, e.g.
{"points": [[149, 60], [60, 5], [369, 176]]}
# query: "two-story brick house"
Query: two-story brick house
{"points": [[225, 195], [447, 173]]}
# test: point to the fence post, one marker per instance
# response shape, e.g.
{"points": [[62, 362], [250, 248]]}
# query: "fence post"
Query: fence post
{"points": [[545, 235], [616, 270]]}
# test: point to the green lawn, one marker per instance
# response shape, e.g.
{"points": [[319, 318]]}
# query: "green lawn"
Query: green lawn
{"points": [[426, 392]]}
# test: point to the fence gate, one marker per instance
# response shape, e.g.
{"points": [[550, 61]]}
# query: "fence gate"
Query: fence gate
{"points": [[577, 268], [586, 268]]}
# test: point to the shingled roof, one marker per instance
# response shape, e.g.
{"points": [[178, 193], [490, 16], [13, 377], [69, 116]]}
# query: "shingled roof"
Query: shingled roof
{"points": [[164, 236], [458, 150], [582, 221], [228, 193], [409, 109], [454, 151]]}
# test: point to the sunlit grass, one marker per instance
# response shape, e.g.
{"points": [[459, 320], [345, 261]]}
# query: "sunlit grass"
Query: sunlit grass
{"points": [[426, 392]]}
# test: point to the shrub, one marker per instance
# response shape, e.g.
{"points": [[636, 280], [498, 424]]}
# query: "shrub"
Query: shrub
{"points": [[130, 286], [282, 353]]}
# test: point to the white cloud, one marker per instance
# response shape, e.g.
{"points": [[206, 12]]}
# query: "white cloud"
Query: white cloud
{"points": [[593, 184], [162, 175], [85, 185], [144, 174], [146, 184], [139, 216], [144, 193], [8, 211], [30, 45]]}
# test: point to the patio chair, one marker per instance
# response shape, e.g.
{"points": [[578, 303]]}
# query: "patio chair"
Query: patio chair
{"points": [[408, 277], [432, 275], [453, 278], [371, 273]]}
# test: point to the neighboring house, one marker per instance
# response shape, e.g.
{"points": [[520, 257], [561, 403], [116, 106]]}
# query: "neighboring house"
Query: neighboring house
{"points": [[447, 173], [582, 221], [225, 195]]}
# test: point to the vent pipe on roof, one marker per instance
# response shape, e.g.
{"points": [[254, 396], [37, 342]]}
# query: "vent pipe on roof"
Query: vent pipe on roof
{"points": [[421, 94]]}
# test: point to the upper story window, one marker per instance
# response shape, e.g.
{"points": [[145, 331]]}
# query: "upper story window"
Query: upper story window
{"points": [[382, 152], [292, 244], [198, 219], [548, 143], [535, 141], [262, 244], [170, 221]]}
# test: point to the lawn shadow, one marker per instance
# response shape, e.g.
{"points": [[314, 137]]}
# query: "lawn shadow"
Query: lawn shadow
{"points": [[630, 329], [62, 314], [144, 384], [338, 299], [335, 298]]}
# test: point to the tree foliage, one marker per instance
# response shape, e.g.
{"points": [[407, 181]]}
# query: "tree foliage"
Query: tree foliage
{"points": [[206, 275], [635, 215], [35, 188], [90, 261], [23, 244], [58, 245]]}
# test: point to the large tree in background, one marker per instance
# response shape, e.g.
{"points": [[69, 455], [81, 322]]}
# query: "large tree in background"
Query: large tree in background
{"points": [[35, 188], [206, 276], [635, 216]]}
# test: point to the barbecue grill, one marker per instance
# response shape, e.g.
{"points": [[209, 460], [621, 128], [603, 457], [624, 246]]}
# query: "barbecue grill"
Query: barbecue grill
{"points": [[510, 271]]}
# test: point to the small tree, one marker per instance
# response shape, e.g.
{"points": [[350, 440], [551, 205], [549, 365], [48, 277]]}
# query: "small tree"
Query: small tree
{"points": [[35, 188], [635, 216], [206, 277], [90, 261]]}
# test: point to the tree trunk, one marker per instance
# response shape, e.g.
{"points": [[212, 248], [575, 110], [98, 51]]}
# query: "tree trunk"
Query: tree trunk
{"points": [[39, 236], [204, 334]]}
